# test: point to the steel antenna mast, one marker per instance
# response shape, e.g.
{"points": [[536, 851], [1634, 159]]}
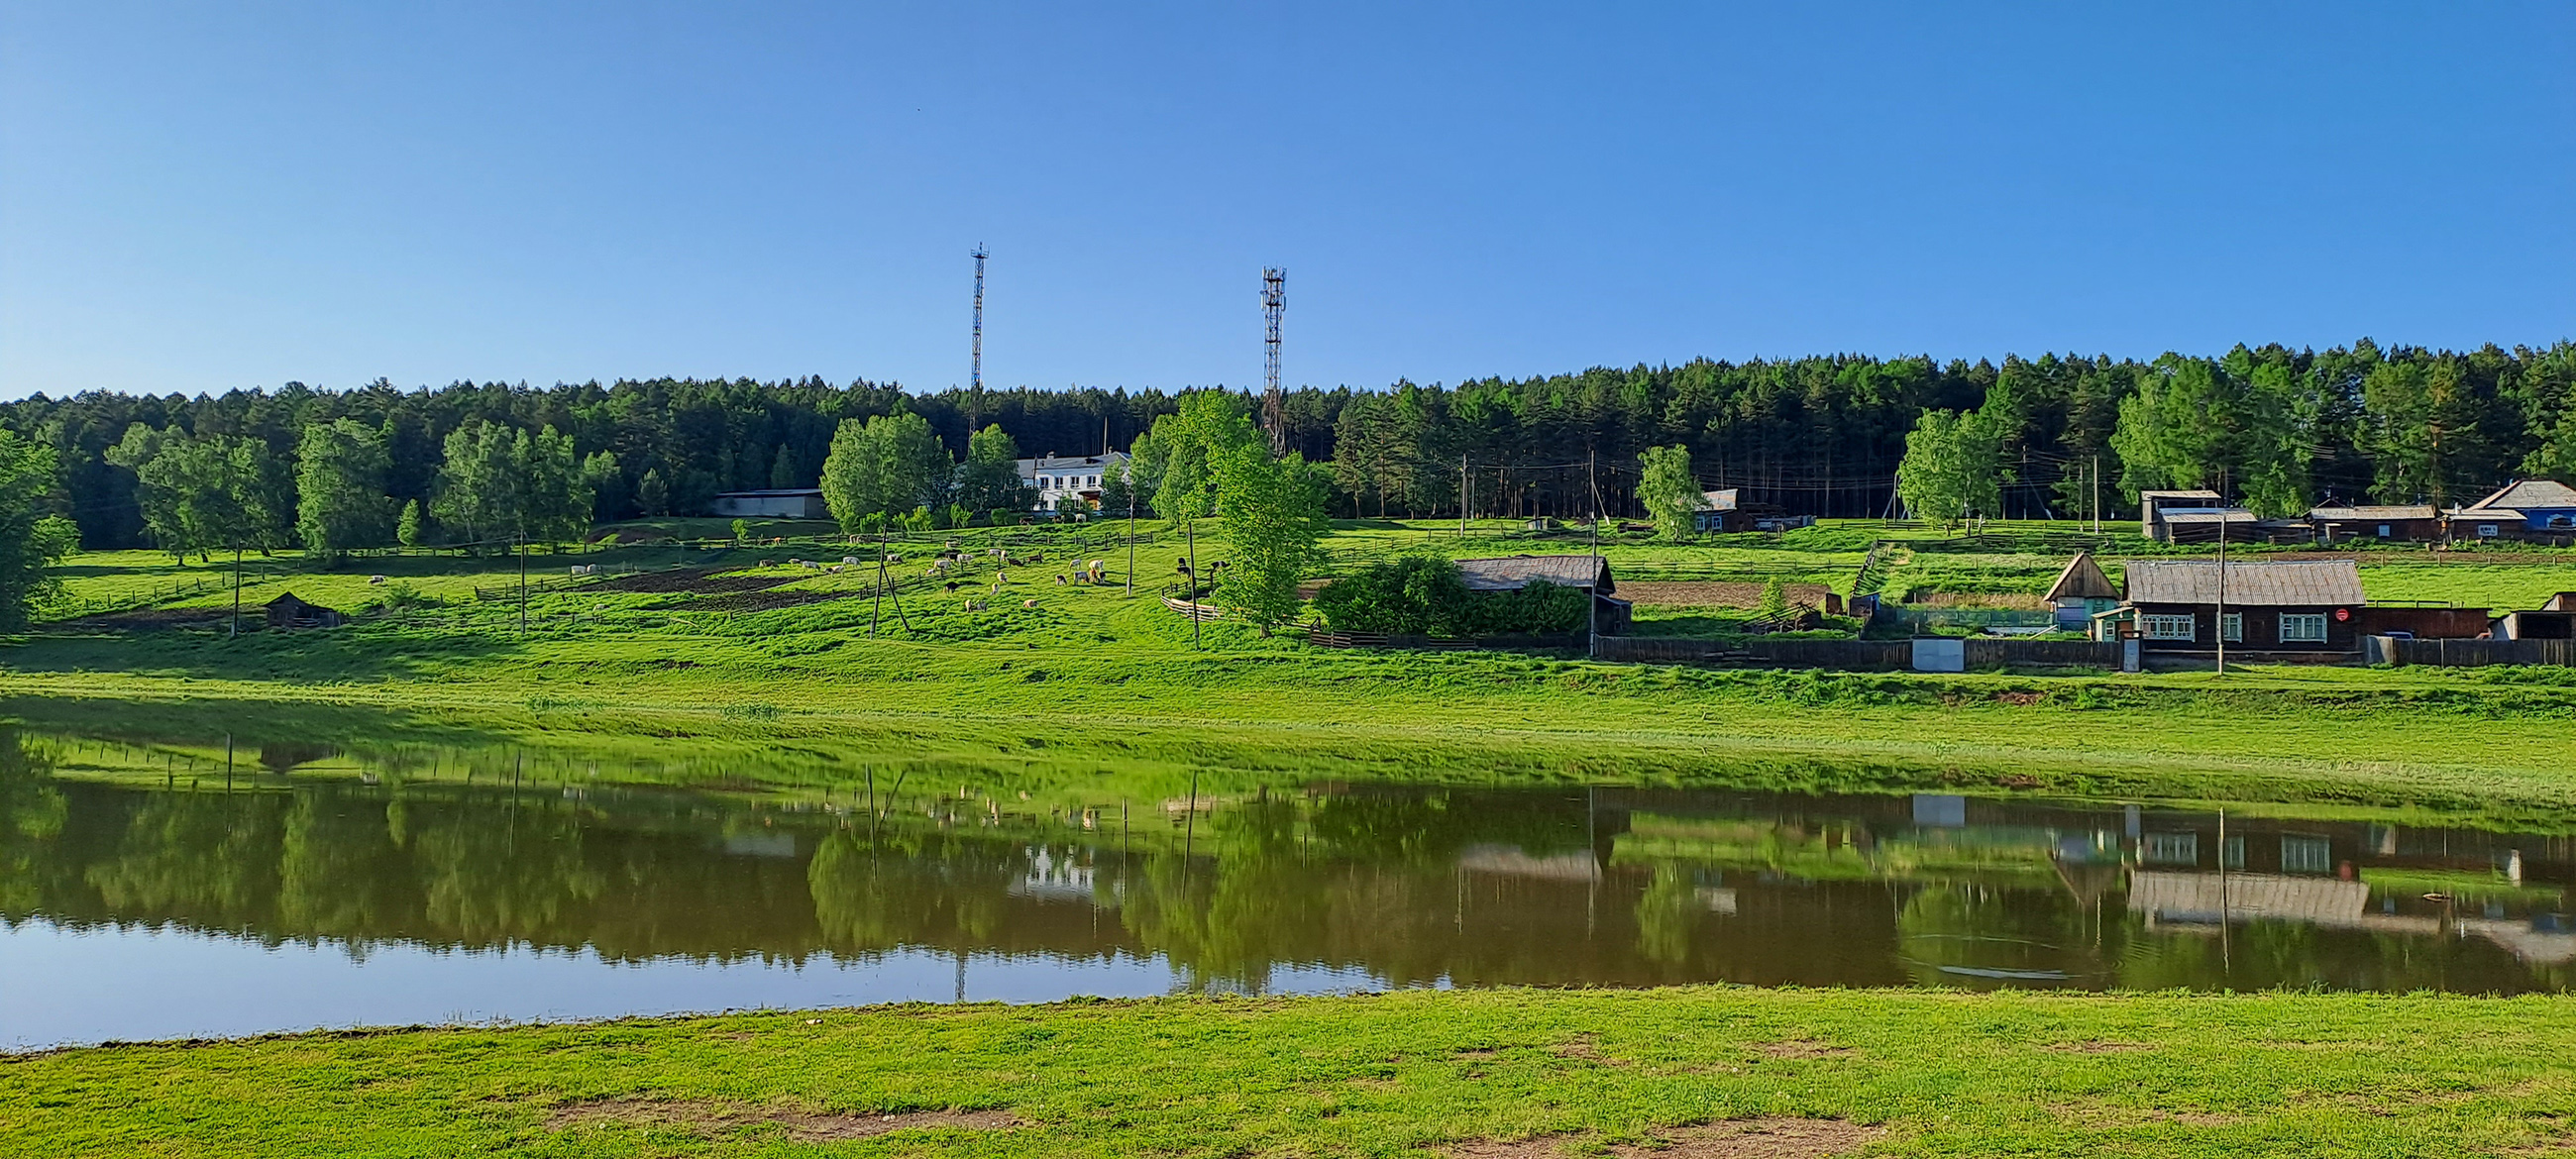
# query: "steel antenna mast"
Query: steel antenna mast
{"points": [[1274, 302], [975, 371]]}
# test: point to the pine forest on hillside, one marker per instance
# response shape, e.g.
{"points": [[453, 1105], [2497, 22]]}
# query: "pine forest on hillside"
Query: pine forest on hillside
{"points": [[2277, 428]]}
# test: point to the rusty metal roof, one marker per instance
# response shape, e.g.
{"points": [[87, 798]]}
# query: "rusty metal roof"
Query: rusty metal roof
{"points": [[2295, 583], [1513, 572]]}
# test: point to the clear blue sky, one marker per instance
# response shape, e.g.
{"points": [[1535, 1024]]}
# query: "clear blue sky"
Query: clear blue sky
{"points": [[196, 197]]}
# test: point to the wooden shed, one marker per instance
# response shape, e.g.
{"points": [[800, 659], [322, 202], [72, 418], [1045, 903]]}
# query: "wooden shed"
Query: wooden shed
{"points": [[1590, 573], [2419, 523], [2081, 592], [288, 612]]}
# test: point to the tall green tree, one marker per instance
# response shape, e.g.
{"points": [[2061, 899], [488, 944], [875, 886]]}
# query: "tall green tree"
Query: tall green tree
{"points": [[340, 500], [989, 480], [1949, 471], [1188, 449], [1274, 517], [1669, 490], [30, 542], [888, 465], [500, 484]]}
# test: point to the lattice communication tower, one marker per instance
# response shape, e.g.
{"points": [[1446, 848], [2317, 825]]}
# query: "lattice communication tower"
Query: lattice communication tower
{"points": [[1274, 302]]}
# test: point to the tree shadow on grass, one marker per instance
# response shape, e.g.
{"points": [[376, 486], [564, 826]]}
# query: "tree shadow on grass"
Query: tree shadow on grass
{"points": [[353, 654]]}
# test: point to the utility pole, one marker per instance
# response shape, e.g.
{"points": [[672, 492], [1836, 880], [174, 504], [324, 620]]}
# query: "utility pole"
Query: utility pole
{"points": [[1131, 534], [2222, 590], [1274, 302], [2097, 493], [975, 367], [1592, 629], [1189, 530], [236, 592], [1466, 495], [523, 581]]}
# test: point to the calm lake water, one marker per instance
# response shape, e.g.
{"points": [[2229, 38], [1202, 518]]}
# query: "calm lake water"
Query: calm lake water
{"points": [[281, 898]]}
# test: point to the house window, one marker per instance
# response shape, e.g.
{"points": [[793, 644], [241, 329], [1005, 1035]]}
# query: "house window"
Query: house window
{"points": [[2232, 854], [2231, 627], [2383, 531], [2306, 855], [2562, 521], [2171, 848], [2486, 531], [2303, 629], [2171, 628]]}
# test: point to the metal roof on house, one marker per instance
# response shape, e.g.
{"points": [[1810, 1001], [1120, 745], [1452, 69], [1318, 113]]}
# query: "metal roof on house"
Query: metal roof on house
{"points": [[2294, 583], [2082, 580], [2177, 494], [2195, 515], [771, 493], [1511, 573], [2370, 514], [1717, 500], [2509, 501]]}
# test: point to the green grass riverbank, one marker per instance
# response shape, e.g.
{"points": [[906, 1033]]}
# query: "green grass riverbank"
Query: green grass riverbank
{"points": [[1493, 1073]]}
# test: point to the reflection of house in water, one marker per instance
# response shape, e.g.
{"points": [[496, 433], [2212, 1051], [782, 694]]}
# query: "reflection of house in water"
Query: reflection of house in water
{"points": [[1509, 861]]}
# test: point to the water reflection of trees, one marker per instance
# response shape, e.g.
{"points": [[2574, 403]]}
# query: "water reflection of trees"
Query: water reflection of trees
{"points": [[1407, 887]]}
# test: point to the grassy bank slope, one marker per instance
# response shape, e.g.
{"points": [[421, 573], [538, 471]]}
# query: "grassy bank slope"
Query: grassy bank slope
{"points": [[1410, 1074]]}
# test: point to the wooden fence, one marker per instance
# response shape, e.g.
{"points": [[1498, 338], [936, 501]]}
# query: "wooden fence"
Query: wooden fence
{"points": [[1574, 642], [1853, 655], [2468, 653]]}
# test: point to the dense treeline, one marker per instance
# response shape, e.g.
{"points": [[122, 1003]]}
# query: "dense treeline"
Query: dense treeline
{"points": [[1822, 435]]}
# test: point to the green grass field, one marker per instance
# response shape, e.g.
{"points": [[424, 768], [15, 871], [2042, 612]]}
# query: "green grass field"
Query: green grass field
{"points": [[1410, 1074], [1092, 673]]}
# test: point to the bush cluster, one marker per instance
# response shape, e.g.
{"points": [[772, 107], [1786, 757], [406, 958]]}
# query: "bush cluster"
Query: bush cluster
{"points": [[1426, 597]]}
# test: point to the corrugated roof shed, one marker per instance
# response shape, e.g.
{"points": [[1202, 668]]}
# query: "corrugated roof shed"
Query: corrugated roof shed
{"points": [[2523, 493], [2369, 514], [1511, 573], [2082, 580], [2297, 583], [2229, 515], [2212, 496]]}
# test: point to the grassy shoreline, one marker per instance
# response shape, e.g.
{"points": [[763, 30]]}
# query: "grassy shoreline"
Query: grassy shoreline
{"points": [[1415, 1073]]}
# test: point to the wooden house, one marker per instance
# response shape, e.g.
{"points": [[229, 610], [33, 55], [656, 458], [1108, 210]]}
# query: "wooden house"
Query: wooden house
{"points": [[2081, 592], [2154, 505], [1724, 511], [2411, 523], [2300, 606], [1590, 573], [2537, 510], [288, 612]]}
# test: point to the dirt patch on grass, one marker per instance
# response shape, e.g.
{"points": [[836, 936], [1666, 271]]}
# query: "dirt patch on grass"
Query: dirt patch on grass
{"points": [[2096, 1046], [702, 1117], [1802, 1048], [693, 579], [1712, 593], [1771, 1137]]}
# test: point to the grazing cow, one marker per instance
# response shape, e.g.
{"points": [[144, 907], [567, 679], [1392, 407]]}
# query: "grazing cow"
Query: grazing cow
{"points": [[851, 559], [769, 563], [974, 605], [835, 569], [952, 585], [1060, 581], [375, 579], [1028, 603]]}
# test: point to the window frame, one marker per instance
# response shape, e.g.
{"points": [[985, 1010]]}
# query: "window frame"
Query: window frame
{"points": [[2157, 627], [2324, 627], [2231, 627]]}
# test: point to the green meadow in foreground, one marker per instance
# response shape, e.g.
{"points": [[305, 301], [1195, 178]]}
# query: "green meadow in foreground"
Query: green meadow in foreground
{"points": [[1407, 1074]]}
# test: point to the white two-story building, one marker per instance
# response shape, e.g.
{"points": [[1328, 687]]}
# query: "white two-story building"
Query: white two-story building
{"points": [[1057, 477]]}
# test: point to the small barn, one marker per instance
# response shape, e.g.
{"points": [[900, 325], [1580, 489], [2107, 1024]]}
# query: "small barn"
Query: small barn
{"points": [[777, 503], [1590, 573], [1725, 511], [2081, 592], [288, 612], [2409, 523], [2288, 606], [2155, 506]]}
